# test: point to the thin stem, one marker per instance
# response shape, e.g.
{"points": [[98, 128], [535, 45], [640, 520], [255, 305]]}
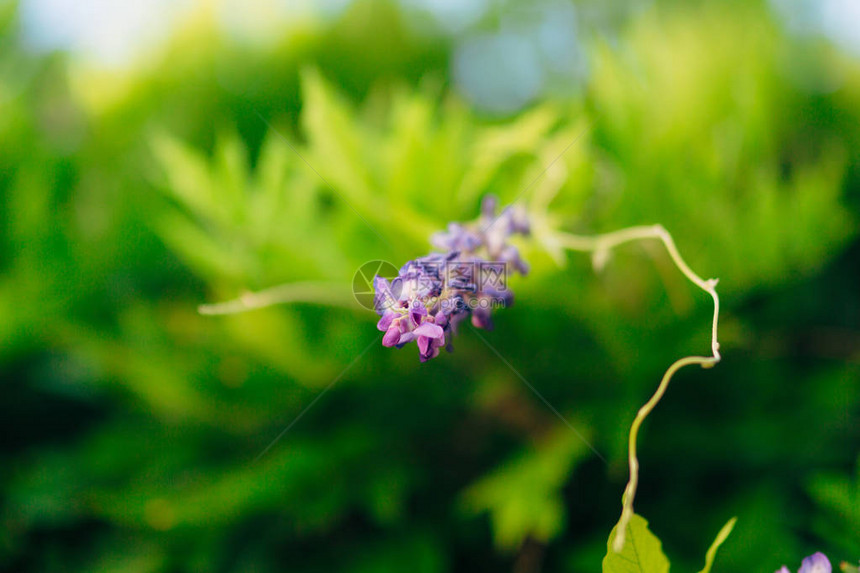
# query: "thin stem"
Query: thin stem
{"points": [[311, 292], [600, 245]]}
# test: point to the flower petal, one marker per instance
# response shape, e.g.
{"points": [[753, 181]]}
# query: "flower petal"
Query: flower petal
{"points": [[481, 318], [380, 284], [392, 336], [383, 298], [416, 312], [816, 563], [423, 345], [385, 321], [430, 330], [489, 206]]}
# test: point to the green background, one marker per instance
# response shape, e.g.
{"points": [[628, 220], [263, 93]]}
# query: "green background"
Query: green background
{"points": [[131, 425]]}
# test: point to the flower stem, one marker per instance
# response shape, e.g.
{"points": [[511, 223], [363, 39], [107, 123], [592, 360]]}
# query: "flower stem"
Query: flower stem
{"points": [[600, 245]]}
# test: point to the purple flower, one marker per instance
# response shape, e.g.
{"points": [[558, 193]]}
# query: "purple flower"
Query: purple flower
{"points": [[431, 295], [815, 563], [487, 237], [409, 306], [430, 338], [457, 238]]}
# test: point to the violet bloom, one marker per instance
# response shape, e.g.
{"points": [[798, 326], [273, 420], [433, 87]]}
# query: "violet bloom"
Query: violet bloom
{"points": [[488, 236], [410, 307], [815, 563], [431, 295]]}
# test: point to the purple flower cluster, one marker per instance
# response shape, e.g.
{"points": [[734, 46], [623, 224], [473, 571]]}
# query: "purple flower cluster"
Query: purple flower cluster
{"points": [[431, 295], [490, 234], [815, 563]]}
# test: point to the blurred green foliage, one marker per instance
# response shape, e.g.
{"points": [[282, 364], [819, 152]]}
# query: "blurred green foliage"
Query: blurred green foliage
{"points": [[131, 423]]}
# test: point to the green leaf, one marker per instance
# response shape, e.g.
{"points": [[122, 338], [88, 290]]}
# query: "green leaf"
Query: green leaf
{"points": [[499, 144], [342, 153], [336, 142], [642, 551], [838, 499], [230, 169], [189, 180], [523, 496], [721, 537]]}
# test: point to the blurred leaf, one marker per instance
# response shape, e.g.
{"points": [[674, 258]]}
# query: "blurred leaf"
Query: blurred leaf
{"points": [[338, 147], [695, 145], [523, 496], [498, 144], [838, 496], [188, 176]]}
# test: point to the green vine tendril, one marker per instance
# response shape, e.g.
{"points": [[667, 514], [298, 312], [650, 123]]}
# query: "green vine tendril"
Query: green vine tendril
{"points": [[599, 246]]}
